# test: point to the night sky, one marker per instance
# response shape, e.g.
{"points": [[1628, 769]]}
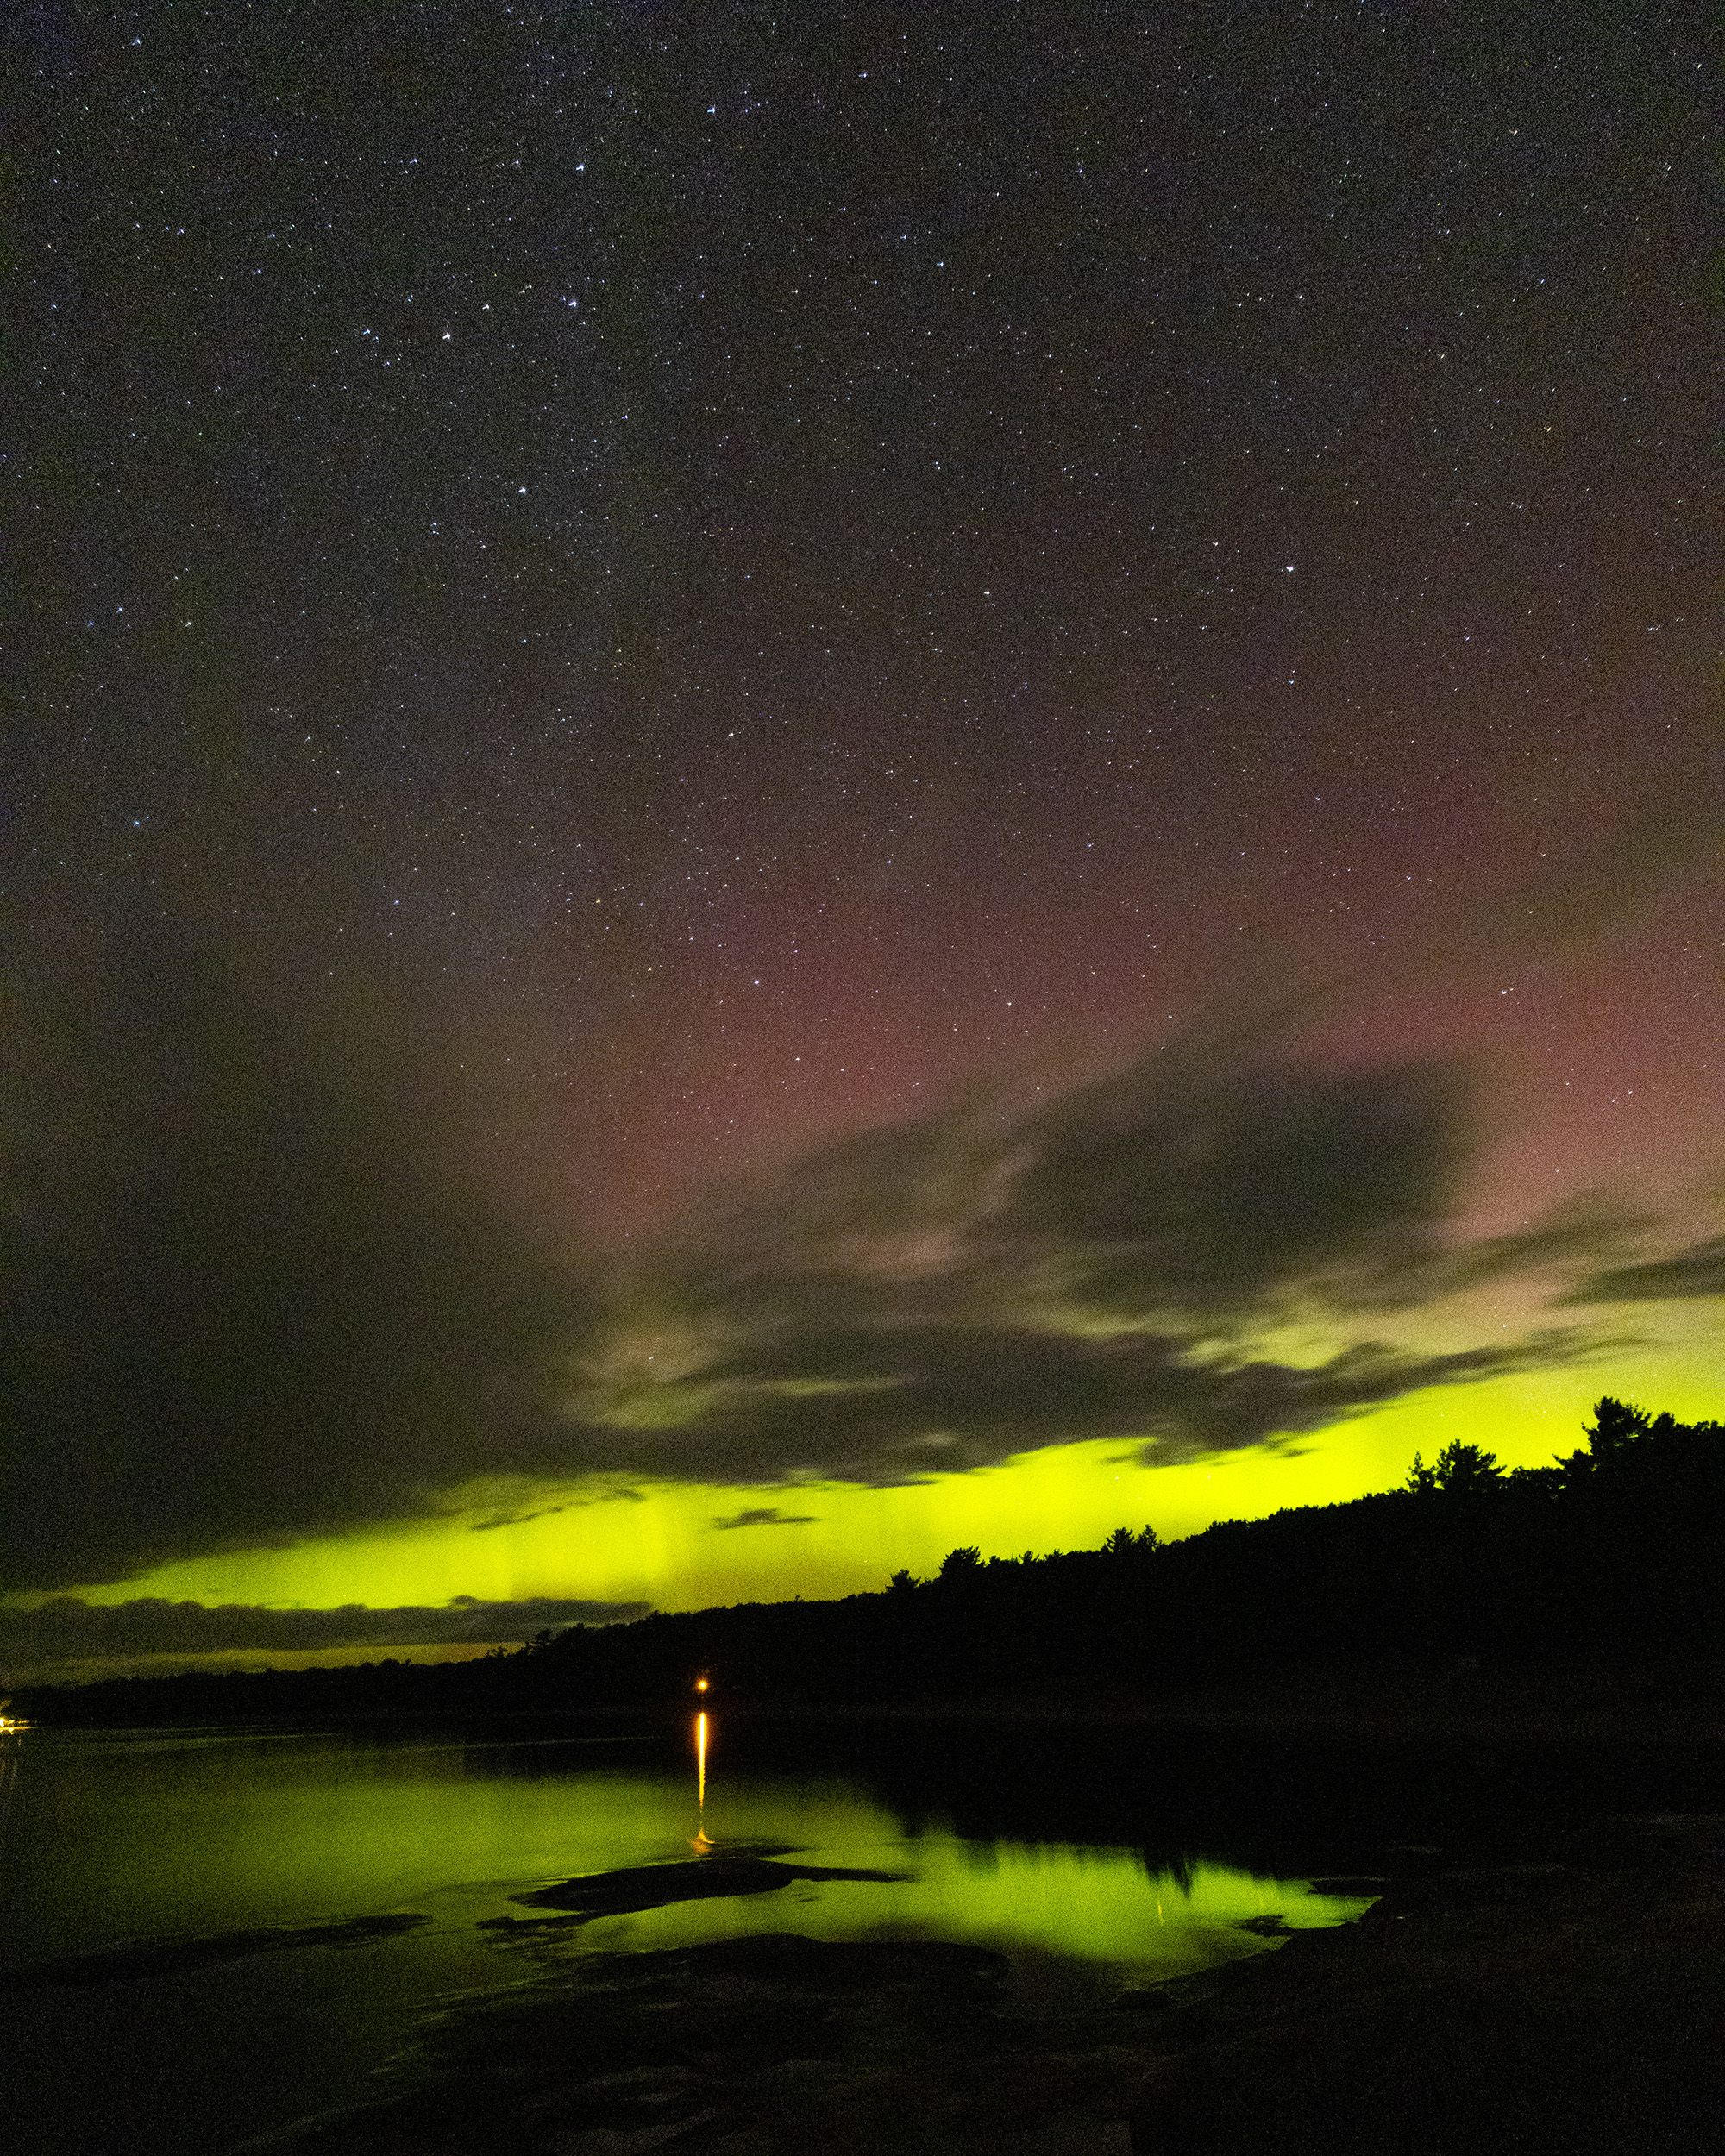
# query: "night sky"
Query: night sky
{"points": [[799, 783]]}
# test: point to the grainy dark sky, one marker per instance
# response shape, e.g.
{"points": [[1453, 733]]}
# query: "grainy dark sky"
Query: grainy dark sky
{"points": [[613, 593]]}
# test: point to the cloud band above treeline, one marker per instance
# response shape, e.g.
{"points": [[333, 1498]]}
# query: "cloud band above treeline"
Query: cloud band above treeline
{"points": [[254, 1302], [68, 1629]]}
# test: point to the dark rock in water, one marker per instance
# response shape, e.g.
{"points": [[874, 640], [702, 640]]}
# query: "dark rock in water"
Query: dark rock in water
{"points": [[657, 1886], [534, 1926], [167, 1957]]}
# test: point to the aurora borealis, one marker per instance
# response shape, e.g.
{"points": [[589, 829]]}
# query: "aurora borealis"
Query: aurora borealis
{"points": [[803, 783]]}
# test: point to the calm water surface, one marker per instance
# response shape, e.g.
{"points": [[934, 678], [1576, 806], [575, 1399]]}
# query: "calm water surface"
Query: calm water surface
{"points": [[129, 1838]]}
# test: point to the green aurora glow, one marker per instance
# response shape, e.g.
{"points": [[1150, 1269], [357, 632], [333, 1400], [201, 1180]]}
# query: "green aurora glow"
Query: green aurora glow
{"points": [[661, 1544]]}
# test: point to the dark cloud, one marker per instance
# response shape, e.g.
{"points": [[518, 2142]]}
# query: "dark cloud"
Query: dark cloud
{"points": [[68, 1629], [986, 1280], [1699, 1270], [249, 1298], [768, 1516], [964, 1397], [1428, 1267], [1211, 1193], [1226, 1408], [258, 1299], [1201, 1178]]}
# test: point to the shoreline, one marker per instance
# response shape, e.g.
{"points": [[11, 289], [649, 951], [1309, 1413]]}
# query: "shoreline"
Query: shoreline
{"points": [[1567, 2004], [1563, 1703], [1571, 2003]]}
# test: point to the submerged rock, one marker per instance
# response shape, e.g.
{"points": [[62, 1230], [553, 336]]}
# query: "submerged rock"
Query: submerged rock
{"points": [[167, 1957], [657, 1886]]}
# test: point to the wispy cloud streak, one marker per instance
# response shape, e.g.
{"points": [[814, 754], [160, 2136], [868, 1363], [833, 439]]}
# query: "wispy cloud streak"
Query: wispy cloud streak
{"points": [[68, 1629]]}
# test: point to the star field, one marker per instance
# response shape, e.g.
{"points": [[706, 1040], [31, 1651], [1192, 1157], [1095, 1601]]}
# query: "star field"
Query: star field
{"points": [[654, 587]]}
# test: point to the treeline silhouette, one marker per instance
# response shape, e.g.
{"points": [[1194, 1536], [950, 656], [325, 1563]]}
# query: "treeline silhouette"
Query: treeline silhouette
{"points": [[1613, 1552]]}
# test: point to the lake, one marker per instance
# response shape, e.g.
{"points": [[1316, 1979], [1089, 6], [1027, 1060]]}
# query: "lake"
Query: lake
{"points": [[134, 1862]]}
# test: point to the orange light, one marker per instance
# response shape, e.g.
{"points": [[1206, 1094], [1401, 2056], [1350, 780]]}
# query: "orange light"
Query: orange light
{"points": [[700, 1685]]}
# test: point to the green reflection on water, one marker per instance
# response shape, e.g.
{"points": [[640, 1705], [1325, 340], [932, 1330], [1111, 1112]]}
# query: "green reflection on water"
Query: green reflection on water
{"points": [[134, 1838], [1092, 1904], [121, 1839], [119, 1836]]}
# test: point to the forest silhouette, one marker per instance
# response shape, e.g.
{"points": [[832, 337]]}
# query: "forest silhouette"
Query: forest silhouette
{"points": [[1609, 1554]]}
